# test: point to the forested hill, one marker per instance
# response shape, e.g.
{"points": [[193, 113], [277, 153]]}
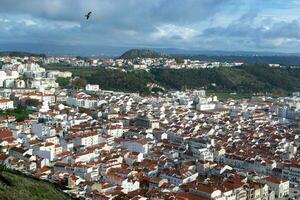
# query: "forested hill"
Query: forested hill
{"points": [[247, 78], [140, 53]]}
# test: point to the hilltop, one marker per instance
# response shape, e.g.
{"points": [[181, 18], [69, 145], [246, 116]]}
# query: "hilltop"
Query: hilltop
{"points": [[140, 53]]}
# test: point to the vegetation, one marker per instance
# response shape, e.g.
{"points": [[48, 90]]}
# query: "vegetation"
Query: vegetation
{"points": [[246, 79], [19, 113], [131, 81], [33, 102], [140, 53], [14, 186], [179, 60], [78, 83], [3, 180], [63, 82]]}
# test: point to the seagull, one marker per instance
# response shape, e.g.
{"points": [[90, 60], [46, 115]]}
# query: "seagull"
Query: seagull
{"points": [[88, 15]]}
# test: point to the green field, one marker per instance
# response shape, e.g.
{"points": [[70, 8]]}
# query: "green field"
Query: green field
{"points": [[21, 187]]}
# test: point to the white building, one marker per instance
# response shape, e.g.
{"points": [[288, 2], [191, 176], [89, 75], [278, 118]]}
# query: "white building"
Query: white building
{"points": [[280, 186], [90, 87], [47, 151], [82, 100], [87, 139], [203, 154], [205, 104], [56, 73], [140, 146], [6, 77], [42, 130], [6, 104], [292, 173]]}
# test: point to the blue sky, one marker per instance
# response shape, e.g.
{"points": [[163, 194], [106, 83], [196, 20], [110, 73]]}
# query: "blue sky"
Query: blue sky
{"points": [[230, 25]]}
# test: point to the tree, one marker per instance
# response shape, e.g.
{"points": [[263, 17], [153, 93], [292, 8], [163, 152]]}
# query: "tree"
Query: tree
{"points": [[63, 82], [179, 60], [79, 83], [32, 102]]}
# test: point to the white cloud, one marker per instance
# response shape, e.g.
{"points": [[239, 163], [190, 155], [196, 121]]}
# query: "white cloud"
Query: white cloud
{"points": [[28, 22], [4, 20], [173, 31]]}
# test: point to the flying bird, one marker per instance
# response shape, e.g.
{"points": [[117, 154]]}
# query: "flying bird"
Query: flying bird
{"points": [[88, 15]]}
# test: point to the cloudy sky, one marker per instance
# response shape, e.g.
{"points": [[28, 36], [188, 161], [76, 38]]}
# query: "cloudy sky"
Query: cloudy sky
{"points": [[230, 25]]}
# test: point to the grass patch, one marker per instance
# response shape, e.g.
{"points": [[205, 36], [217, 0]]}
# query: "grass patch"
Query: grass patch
{"points": [[25, 188]]}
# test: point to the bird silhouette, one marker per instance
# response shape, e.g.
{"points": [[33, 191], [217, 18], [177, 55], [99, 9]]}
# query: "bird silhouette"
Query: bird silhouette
{"points": [[88, 15]]}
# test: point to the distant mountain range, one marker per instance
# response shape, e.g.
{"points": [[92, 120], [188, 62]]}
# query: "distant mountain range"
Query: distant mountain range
{"points": [[175, 51], [19, 54], [115, 52]]}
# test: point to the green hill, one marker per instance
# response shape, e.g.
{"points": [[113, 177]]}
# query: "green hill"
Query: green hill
{"points": [[140, 53], [15, 186]]}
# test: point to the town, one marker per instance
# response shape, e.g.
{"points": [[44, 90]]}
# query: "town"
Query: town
{"points": [[102, 144], [135, 63]]}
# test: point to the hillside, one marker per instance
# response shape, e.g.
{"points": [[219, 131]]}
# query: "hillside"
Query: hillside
{"points": [[19, 187], [140, 53], [247, 78]]}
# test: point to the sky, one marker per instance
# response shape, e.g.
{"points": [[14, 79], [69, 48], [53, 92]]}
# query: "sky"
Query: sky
{"points": [[227, 25]]}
